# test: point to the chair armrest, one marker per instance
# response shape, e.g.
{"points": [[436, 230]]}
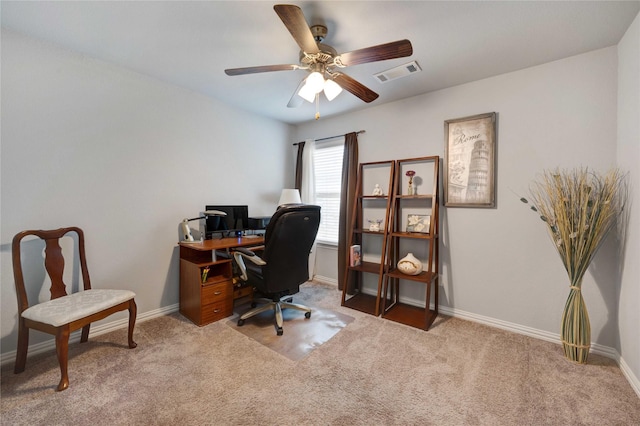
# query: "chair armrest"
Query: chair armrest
{"points": [[246, 251], [239, 253]]}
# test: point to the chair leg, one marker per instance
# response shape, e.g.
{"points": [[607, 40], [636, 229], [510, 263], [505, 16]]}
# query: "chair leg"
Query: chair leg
{"points": [[278, 313], [133, 309], [62, 350], [23, 345], [85, 333], [296, 306], [257, 310]]}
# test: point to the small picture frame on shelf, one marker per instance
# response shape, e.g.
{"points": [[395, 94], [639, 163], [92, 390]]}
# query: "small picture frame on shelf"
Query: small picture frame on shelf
{"points": [[418, 223], [374, 225], [355, 255]]}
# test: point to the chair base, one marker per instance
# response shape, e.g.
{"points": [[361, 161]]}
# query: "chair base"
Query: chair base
{"points": [[277, 307]]}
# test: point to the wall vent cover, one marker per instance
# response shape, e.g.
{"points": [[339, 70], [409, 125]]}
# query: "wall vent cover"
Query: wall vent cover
{"points": [[398, 72]]}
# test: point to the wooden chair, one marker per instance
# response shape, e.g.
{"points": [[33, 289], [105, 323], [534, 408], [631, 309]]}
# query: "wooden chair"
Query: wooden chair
{"points": [[64, 313]]}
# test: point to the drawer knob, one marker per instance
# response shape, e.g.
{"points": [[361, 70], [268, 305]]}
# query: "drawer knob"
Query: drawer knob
{"points": [[215, 311], [217, 293]]}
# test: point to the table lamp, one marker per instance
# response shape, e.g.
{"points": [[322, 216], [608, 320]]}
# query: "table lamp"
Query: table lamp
{"points": [[289, 196], [184, 225]]}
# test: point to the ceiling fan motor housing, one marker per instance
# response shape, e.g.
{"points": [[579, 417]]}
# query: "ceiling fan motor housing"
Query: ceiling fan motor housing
{"points": [[319, 32], [324, 56]]}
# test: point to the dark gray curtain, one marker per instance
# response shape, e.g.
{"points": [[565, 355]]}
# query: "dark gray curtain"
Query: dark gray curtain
{"points": [[349, 172], [298, 182]]}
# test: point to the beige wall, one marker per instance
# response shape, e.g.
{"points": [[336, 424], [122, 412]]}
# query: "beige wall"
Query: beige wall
{"points": [[629, 160], [126, 158], [498, 264]]}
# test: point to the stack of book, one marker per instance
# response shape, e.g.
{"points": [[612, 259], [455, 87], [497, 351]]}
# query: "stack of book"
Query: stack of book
{"points": [[355, 255]]}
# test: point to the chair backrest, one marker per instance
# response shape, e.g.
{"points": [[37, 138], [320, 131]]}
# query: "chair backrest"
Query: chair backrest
{"points": [[288, 241], [53, 262]]}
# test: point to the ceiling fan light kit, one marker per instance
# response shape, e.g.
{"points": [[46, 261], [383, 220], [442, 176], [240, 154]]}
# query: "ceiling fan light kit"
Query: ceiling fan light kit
{"points": [[307, 93], [331, 89], [315, 84], [315, 81], [323, 62]]}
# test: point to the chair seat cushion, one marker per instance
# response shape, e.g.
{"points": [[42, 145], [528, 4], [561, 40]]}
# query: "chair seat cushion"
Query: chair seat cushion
{"points": [[72, 307]]}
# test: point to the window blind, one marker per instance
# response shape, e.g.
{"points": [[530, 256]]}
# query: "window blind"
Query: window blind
{"points": [[327, 162]]}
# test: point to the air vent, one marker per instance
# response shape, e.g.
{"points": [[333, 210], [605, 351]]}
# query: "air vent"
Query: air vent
{"points": [[398, 72]]}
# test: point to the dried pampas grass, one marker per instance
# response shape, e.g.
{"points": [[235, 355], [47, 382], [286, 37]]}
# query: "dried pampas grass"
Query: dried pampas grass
{"points": [[579, 207]]}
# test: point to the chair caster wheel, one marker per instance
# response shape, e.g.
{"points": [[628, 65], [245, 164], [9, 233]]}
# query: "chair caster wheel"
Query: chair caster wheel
{"points": [[240, 322], [307, 314], [280, 331]]}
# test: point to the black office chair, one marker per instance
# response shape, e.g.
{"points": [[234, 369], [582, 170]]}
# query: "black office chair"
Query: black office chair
{"points": [[283, 264]]}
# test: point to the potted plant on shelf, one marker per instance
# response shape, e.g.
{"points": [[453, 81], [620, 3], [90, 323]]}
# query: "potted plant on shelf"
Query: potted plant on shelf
{"points": [[578, 207]]}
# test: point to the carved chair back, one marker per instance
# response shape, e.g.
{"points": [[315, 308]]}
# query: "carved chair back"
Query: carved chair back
{"points": [[54, 263]]}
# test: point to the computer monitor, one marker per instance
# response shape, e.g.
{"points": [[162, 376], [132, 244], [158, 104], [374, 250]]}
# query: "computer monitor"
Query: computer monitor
{"points": [[236, 220]]}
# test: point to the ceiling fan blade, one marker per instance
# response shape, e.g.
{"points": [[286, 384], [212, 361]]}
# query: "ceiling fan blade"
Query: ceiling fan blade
{"points": [[264, 68], [297, 100], [294, 20], [381, 52], [355, 87]]}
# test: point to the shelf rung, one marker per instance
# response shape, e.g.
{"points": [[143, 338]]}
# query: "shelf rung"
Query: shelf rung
{"points": [[416, 235], [420, 196], [425, 277], [362, 302], [413, 316], [371, 267], [366, 231]]}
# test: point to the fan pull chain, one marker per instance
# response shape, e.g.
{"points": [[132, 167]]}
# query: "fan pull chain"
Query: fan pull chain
{"points": [[317, 106]]}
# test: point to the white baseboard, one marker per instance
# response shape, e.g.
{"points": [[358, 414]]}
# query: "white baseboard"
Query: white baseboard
{"points": [[325, 280], [633, 380], [96, 330]]}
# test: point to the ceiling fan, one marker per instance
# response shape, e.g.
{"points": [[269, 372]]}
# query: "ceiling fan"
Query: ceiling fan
{"points": [[323, 62]]}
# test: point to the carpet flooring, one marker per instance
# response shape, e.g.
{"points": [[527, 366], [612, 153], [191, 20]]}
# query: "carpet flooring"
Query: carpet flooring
{"points": [[371, 372]]}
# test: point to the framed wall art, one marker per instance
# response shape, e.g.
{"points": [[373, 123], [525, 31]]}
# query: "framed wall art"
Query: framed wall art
{"points": [[418, 223], [470, 161]]}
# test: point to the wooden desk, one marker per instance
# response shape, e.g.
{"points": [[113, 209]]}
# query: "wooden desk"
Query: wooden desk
{"points": [[207, 291]]}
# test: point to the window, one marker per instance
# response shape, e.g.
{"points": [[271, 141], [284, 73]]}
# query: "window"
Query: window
{"points": [[327, 164]]}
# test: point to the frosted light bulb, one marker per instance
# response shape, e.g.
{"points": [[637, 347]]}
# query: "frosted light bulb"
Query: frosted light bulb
{"points": [[307, 93], [315, 81], [331, 89]]}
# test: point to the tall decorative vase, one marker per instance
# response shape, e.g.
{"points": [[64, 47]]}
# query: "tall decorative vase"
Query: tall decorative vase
{"points": [[576, 329]]}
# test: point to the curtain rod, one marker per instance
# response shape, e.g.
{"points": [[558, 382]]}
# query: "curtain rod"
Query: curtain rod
{"points": [[329, 137]]}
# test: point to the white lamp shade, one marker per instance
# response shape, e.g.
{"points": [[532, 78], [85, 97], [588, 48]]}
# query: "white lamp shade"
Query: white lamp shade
{"points": [[289, 196], [307, 93], [315, 81], [331, 89]]}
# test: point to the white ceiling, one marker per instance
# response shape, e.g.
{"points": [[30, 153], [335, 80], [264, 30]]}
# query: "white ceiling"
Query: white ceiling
{"points": [[191, 43]]}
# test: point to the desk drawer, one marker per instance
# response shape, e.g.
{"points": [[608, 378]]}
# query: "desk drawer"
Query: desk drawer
{"points": [[217, 311], [217, 292], [239, 292]]}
